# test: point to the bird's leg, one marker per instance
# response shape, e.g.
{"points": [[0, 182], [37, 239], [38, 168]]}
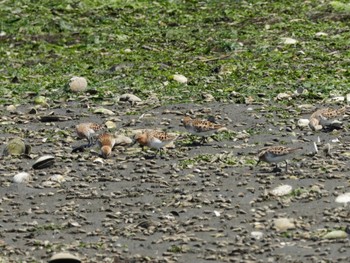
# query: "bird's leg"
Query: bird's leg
{"points": [[257, 163], [203, 140], [286, 165]]}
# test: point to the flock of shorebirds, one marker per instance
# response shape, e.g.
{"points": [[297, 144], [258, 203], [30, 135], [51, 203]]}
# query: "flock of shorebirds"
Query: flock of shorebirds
{"points": [[156, 139]]}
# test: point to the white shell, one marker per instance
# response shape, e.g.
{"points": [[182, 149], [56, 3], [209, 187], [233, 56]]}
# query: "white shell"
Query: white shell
{"points": [[22, 177], [122, 140], [103, 111], [60, 257], [111, 125], [282, 190], [343, 198], [348, 98], [57, 178], [283, 96], [217, 213], [289, 41], [129, 97], [98, 160], [78, 84], [257, 234], [303, 122], [44, 162], [315, 147], [335, 234], [283, 224], [180, 78], [321, 34]]}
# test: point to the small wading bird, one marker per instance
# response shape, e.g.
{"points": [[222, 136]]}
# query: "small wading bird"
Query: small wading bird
{"points": [[154, 139], [276, 154], [202, 128], [326, 117], [87, 131], [106, 143]]}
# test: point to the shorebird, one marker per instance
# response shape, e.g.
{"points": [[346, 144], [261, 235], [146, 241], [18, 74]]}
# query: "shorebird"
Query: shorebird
{"points": [[326, 117], [106, 142], [87, 131], [154, 139], [276, 154], [199, 127]]}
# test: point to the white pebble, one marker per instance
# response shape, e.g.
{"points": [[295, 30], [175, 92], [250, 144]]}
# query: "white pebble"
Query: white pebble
{"points": [[282, 190], [343, 198], [22, 177], [303, 122], [78, 84], [180, 78]]}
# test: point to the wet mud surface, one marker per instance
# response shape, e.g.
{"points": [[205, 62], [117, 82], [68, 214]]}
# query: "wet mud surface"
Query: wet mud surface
{"points": [[194, 203]]}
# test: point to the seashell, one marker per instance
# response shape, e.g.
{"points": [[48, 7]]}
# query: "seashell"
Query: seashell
{"points": [[122, 140], [321, 34], [17, 147], [130, 97], [282, 190], [343, 198], [111, 125], [180, 78], [315, 147], [283, 224], [98, 160], [283, 96], [78, 84], [257, 234], [64, 257], [217, 213], [44, 162], [335, 234], [22, 177], [11, 108], [103, 111], [289, 41], [57, 178], [303, 122]]}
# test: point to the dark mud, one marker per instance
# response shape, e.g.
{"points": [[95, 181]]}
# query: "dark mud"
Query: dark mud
{"points": [[192, 204]]}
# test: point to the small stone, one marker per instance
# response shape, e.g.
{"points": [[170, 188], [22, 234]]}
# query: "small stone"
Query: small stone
{"points": [[78, 84], [208, 97], [180, 78], [40, 100], [16, 147]]}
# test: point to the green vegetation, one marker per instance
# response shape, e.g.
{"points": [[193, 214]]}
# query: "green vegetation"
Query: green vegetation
{"points": [[136, 46]]}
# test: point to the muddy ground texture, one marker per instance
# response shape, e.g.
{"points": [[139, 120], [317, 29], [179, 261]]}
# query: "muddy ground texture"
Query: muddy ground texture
{"points": [[195, 203]]}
